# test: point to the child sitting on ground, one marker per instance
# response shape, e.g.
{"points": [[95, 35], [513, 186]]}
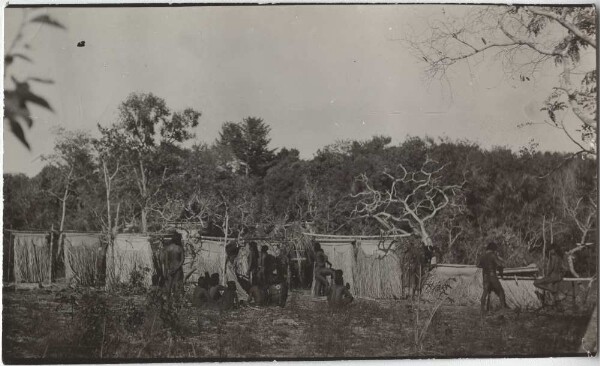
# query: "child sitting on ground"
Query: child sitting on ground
{"points": [[339, 295]]}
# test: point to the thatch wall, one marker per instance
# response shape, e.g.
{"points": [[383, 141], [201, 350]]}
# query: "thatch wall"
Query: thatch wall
{"points": [[342, 256], [130, 253], [84, 258], [466, 287], [8, 258], [207, 254], [371, 271], [377, 275], [32, 257], [209, 257]]}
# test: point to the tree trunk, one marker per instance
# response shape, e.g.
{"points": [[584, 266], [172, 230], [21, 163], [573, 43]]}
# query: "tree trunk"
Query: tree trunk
{"points": [[144, 194], [144, 220], [424, 236], [544, 248], [63, 213]]}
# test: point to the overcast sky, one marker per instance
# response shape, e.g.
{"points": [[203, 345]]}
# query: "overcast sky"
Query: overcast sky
{"points": [[315, 74]]}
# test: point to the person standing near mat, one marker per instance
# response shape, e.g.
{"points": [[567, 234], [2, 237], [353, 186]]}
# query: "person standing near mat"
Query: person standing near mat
{"points": [[554, 272], [490, 263], [321, 270]]}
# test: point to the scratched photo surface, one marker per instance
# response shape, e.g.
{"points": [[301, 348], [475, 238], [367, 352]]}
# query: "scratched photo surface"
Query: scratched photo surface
{"points": [[299, 182]]}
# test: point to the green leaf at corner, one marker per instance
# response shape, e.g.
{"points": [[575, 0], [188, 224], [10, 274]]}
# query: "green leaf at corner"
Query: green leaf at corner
{"points": [[46, 19], [16, 129]]}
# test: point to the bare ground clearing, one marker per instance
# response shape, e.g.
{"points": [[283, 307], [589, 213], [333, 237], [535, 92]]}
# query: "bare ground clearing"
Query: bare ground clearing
{"points": [[43, 325]]}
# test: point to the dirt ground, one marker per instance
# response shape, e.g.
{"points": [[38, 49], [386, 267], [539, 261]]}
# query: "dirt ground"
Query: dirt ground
{"points": [[69, 326]]}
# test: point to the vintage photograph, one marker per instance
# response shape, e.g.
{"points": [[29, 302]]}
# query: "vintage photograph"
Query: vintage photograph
{"points": [[210, 182]]}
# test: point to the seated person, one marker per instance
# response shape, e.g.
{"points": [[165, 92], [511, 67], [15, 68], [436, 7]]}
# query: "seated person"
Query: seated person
{"points": [[215, 289], [228, 299], [554, 272], [201, 295], [257, 295], [277, 294], [339, 295]]}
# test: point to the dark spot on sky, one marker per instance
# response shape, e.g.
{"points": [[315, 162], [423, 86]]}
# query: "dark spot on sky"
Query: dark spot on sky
{"points": [[81, 44]]}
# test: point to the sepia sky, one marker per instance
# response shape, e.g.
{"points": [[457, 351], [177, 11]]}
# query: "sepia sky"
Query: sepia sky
{"points": [[315, 74]]}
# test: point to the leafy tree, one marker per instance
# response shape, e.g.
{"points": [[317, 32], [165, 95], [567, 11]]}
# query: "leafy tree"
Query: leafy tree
{"points": [[19, 194], [145, 123], [74, 162], [249, 141]]}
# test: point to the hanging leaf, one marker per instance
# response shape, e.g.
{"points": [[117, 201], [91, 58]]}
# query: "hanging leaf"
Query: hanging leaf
{"points": [[15, 108], [47, 20], [41, 80], [24, 93], [16, 129], [10, 58]]}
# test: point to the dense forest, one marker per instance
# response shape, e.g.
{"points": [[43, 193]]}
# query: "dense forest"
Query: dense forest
{"points": [[140, 175]]}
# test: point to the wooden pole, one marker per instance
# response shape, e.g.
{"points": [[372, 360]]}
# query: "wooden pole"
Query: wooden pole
{"points": [[51, 254], [11, 253], [544, 249]]}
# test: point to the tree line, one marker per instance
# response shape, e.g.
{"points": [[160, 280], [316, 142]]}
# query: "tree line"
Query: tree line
{"points": [[138, 176]]}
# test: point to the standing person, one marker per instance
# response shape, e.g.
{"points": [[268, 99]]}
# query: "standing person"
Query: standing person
{"points": [[265, 268], [490, 263], [235, 271], [554, 272], [321, 270], [172, 263], [253, 257]]}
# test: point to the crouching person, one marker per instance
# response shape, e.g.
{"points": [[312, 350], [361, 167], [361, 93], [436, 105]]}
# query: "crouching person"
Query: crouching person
{"points": [[201, 296], [339, 295], [228, 299], [277, 294], [257, 295]]}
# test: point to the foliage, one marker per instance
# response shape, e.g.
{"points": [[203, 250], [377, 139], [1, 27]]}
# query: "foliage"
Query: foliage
{"points": [[248, 140], [145, 135], [504, 196], [19, 97], [523, 40]]}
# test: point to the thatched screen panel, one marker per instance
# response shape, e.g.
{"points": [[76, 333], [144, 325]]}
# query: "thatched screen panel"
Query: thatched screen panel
{"points": [[377, 274], [341, 256], [8, 258], [32, 257], [84, 258], [132, 253], [467, 285], [204, 256]]}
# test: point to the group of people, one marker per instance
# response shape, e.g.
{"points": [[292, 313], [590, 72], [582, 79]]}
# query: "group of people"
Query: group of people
{"points": [[210, 292], [492, 265], [338, 294], [259, 278]]}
